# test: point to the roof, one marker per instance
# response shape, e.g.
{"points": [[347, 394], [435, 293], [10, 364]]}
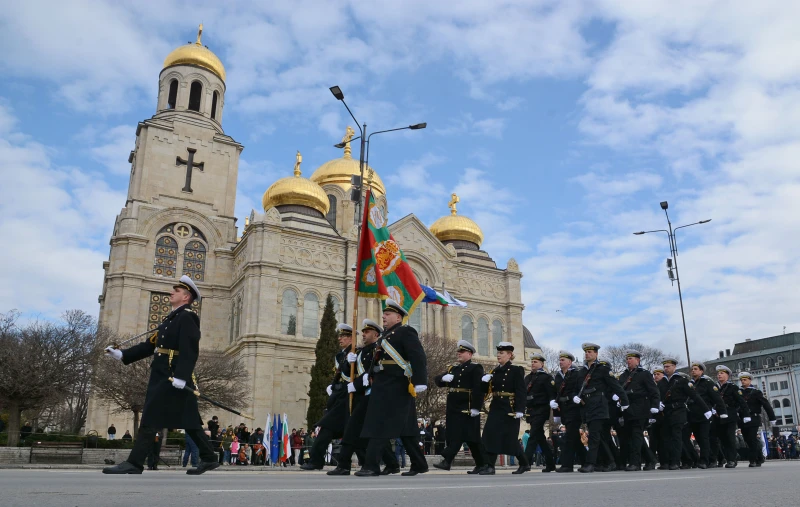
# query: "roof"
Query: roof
{"points": [[763, 344], [527, 338]]}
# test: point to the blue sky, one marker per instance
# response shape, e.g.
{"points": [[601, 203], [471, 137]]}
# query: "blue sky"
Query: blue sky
{"points": [[561, 125]]}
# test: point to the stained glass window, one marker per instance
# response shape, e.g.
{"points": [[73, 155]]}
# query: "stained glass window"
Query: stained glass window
{"points": [[166, 257], [194, 260], [497, 333], [310, 315], [483, 336], [289, 312], [160, 308]]}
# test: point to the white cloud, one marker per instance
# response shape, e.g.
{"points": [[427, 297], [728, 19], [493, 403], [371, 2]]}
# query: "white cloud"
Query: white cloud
{"points": [[118, 142], [608, 186], [466, 124]]}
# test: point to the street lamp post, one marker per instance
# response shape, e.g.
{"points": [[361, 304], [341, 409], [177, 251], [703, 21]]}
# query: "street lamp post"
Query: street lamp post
{"points": [[673, 261]]}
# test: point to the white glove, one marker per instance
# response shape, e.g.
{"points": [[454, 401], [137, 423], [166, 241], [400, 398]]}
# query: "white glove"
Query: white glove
{"points": [[351, 358], [115, 353], [420, 389], [723, 416], [660, 406], [366, 379], [557, 420], [651, 421], [518, 415], [576, 400], [474, 412], [621, 421], [554, 404], [448, 378], [329, 390], [713, 411], [708, 414], [351, 387], [772, 423], [178, 383], [746, 420], [653, 410], [624, 407], [487, 377], [615, 398]]}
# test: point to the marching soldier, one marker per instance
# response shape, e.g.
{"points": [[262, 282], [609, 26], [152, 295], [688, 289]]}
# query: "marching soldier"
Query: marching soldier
{"points": [[399, 373], [657, 422], [594, 379], [352, 441], [506, 384], [699, 424], [678, 390], [541, 397], [644, 400], [567, 412], [464, 400], [337, 411], [174, 347], [755, 402], [725, 427]]}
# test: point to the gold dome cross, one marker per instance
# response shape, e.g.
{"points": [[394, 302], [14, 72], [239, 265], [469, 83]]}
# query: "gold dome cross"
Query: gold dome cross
{"points": [[452, 204]]}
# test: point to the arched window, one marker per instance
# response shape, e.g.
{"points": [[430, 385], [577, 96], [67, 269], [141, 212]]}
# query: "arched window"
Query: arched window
{"points": [[415, 320], [311, 315], [751, 364], [214, 105], [769, 362], [289, 312], [166, 257], [172, 98], [331, 216], [497, 333], [780, 359], [236, 318], [194, 260], [787, 411], [466, 330], [483, 335], [195, 94], [776, 404], [740, 366]]}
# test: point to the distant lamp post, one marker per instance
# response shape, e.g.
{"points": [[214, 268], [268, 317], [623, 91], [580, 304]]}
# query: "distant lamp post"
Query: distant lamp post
{"points": [[672, 262]]}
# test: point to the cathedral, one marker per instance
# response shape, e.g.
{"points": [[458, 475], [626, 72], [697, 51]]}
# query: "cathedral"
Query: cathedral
{"points": [[264, 285]]}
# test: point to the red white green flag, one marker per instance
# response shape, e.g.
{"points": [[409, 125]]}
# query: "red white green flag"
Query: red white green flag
{"points": [[382, 270]]}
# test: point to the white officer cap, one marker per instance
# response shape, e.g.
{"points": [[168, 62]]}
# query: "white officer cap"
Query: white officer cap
{"points": [[186, 283]]}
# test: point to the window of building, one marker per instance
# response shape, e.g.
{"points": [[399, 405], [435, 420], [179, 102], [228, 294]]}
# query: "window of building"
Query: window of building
{"points": [[751, 365], [779, 359], [415, 320], [195, 94], [194, 260], [160, 308], [466, 331], [776, 405], [769, 362], [289, 312], [784, 384], [787, 411], [172, 98], [497, 333], [311, 315], [214, 105], [166, 257], [331, 216], [483, 335], [773, 386], [740, 366]]}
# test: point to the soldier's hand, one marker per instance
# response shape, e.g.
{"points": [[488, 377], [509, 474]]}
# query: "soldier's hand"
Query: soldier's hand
{"points": [[651, 421], [487, 377], [714, 411], [474, 412], [115, 353], [329, 390], [554, 404], [653, 410], [746, 420], [624, 407], [351, 387], [420, 389], [448, 378], [708, 414], [518, 415], [723, 416], [615, 398], [366, 379], [557, 420], [351, 358], [660, 406], [576, 400], [178, 383]]}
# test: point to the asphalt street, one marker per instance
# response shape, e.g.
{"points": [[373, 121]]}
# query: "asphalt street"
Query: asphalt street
{"points": [[772, 484]]}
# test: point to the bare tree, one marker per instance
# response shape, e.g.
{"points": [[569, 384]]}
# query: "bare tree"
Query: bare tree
{"points": [[551, 358], [441, 354], [615, 355]]}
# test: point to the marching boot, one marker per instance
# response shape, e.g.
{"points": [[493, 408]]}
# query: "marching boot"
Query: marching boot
{"points": [[476, 470], [586, 469], [611, 468], [387, 470], [123, 468], [521, 470], [412, 472], [702, 465], [309, 466], [366, 473], [730, 464], [549, 468], [562, 469], [487, 470], [442, 465], [203, 467], [339, 471], [632, 468], [752, 464], [713, 464], [649, 466], [674, 467]]}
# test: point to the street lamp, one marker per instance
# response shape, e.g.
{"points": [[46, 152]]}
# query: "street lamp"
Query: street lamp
{"points": [[673, 262]]}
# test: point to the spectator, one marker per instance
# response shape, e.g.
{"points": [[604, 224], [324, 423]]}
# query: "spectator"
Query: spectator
{"points": [[112, 432], [234, 456], [297, 447], [244, 451], [400, 452], [213, 427], [257, 444], [227, 440], [127, 437], [191, 451]]}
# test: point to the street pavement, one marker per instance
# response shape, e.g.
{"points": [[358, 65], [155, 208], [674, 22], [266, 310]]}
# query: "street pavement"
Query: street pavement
{"points": [[772, 484]]}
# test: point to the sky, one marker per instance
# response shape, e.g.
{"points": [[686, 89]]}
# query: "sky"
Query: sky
{"points": [[560, 125]]}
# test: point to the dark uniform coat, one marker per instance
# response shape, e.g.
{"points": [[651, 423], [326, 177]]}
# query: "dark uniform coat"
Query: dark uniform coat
{"points": [[501, 431], [595, 403], [361, 397], [708, 390], [164, 405], [565, 384], [734, 402], [642, 393], [679, 390], [465, 393], [392, 411], [337, 410], [755, 402], [540, 390]]}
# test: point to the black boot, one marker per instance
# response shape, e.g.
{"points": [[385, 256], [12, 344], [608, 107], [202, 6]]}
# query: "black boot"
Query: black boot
{"points": [[339, 471], [367, 473], [123, 468], [487, 470], [521, 470], [476, 470], [442, 465], [586, 469], [649, 466], [387, 470], [549, 468], [563, 469], [309, 466], [203, 467]]}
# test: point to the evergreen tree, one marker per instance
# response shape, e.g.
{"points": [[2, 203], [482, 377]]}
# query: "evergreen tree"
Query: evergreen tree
{"points": [[291, 327], [322, 371]]}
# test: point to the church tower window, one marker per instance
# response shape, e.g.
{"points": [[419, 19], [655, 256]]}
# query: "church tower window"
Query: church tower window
{"points": [[331, 216], [483, 336], [172, 98], [195, 93], [214, 105], [160, 308], [289, 312], [467, 329], [310, 315], [497, 333], [236, 318], [194, 260], [166, 257]]}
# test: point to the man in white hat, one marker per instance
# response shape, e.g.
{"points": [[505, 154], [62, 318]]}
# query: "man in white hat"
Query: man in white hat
{"points": [[725, 426], [174, 347], [755, 402]]}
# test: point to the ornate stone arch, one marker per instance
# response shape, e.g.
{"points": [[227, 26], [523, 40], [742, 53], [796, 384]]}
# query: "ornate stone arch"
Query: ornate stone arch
{"points": [[149, 226], [435, 278]]}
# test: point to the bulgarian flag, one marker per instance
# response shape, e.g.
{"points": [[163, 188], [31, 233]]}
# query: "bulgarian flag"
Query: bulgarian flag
{"points": [[381, 269], [285, 450], [438, 298]]}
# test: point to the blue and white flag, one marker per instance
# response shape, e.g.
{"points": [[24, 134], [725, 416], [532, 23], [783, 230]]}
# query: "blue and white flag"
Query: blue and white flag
{"points": [[438, 298]]}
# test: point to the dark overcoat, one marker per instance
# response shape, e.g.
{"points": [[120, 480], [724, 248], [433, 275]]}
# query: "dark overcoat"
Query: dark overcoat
{"points": [[337, 410], [465, 392], [755, 402], [361, 397], [392, 410], [707, 389], [540, 389], [642, 393], [598, 381], [565, 385], [166, 406], [734, 403], [501, 431]]}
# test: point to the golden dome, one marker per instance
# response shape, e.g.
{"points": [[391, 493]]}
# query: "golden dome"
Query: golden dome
{"points": [[339, 170], [296, 190], [454, 227], [196, 54]]}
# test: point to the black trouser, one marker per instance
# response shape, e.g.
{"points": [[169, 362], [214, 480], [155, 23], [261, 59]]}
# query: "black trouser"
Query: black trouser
{"points": [[144, 444], [572, 445], [491, 458], [376, 446], [633, 438], [475, 448], [726, 433], [595, 429], [656, 445], [647, 453], [317, 453], [755, 454], [537, 438], [154, 455], [345, 457], [672, 437], [608, 453]]}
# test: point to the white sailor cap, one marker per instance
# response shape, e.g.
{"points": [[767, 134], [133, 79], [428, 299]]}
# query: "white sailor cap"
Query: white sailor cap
{"points": [[465, 346], [505, 346], [699, 364], [722, 367], [565, 354], [370, 324], [186, 283], [745, 374], [669, 360], [394, 306], [658, 369], [590, 346], [633, 353], [344, 329]]}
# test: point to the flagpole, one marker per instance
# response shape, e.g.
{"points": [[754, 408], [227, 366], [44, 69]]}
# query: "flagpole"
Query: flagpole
{"points": [[355, 291]]}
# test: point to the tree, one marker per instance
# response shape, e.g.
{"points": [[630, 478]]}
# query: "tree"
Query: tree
{"points": [[615, 356], [324, 364], [441, 354], [551, 359], [44, 363]]}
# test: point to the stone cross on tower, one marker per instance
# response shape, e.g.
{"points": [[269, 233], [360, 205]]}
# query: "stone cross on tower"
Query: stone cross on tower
{"points": [[190, 164]]}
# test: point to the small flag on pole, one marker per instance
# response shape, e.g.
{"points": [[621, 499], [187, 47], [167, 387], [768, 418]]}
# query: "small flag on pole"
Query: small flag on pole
{"points": [[285, 450], [444, 298]]}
